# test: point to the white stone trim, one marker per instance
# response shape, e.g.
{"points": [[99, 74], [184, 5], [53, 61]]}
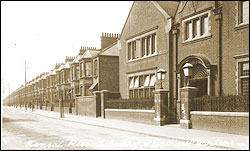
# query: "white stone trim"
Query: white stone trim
{"points": [[131, 110], [245, 114]]}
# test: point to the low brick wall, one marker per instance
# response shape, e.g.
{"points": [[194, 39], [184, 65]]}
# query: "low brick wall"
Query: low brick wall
{"points": [[56, 109], [133, 115], [227, 122], [66, 110], [74, 110], [44, 108], [89, 106]]}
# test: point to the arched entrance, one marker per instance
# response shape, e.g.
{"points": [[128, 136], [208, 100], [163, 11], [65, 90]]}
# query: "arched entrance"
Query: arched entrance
{"points": [[201, 75]]}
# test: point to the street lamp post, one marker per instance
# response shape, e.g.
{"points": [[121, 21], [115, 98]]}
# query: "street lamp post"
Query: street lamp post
{"points": [[161, 75], [70, 101], [187, 68], [61, 106]]}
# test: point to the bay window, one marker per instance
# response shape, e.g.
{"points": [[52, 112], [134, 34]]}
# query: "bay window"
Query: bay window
{"points": [[88, 69]]}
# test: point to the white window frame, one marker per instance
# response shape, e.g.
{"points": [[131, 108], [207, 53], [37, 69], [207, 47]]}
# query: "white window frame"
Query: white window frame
{"points": [[134, 83], [239, 60], [139, 46], [198, 36]]}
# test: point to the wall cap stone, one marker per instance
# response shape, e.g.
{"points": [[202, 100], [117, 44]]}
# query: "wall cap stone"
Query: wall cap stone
{"points": [[160, 91], [131, 110], [189, 88], [245, 114]]}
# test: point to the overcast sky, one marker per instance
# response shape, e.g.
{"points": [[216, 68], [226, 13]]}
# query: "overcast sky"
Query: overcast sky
{"points": [[43, 33]]}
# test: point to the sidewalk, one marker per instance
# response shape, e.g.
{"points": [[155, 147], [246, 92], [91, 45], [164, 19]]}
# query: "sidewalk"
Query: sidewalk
{"points": [[172, 132]]}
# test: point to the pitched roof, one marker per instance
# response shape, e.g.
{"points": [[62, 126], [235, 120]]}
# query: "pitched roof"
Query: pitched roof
{"points": [[76, 60], [66, 66], [89, 54], [167, 8], [170, 7], [112, 50], [60, 67]]}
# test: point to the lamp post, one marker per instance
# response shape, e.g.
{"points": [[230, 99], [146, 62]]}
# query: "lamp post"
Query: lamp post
{"points": [[187, 68], [61, 105], [70, 102], [161, 75]]}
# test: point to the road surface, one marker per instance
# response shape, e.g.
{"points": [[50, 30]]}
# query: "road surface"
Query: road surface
{"points": [[28, 130]]}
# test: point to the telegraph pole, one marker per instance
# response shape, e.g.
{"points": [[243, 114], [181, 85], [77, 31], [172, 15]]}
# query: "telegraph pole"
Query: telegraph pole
{"points": [[9, 93], [25, 74], [25, 88]]}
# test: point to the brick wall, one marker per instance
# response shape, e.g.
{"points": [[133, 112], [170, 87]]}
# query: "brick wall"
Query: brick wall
{"points": [[89, 106], [140, 116], [227, 122], [109, 73], [234, 42], [140, 20]]}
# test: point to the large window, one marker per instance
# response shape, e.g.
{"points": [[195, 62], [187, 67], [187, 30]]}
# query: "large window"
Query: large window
{"points": [[244, 78], [143, 46], [196, 27], [243, 12], [82, 69], [77, 72], [72, 73], [95, 68], [88, 70], [142, 86]]}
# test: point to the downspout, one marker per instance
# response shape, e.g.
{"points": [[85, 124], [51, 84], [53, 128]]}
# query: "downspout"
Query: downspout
{"points": [[218, 17], [175, 63], [169, 43]]}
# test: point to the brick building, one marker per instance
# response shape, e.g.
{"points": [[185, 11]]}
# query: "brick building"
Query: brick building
{"points": [[75, 74], [86, 71], [106, 69], [212, 36]]}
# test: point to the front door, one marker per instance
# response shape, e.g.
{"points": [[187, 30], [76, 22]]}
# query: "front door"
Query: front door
{"points": [[201, 84]]}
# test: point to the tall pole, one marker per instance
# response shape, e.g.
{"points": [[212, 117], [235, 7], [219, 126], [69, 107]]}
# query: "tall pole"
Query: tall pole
{"points": [[9, 94], [25, 73], [25, 88]]}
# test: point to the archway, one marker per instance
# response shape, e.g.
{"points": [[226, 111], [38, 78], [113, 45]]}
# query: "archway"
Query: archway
{"points": [[201, 76]]}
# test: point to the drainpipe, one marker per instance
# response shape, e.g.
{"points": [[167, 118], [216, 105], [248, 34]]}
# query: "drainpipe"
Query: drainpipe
{"points": [[175, 63], [218, 17]]}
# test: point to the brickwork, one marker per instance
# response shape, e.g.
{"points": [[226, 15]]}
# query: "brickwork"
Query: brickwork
{"points": [[109, 73], [234, 41], [141, 116], [237, 124], [141, 20]]}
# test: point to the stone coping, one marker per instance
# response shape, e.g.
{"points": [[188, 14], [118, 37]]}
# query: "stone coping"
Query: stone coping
{"points": [[131, 110], [245, 114]]}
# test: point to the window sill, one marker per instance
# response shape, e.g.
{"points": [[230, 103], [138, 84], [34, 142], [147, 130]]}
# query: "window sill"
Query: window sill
{"points": [[141, 58], [243, 77], [241, 26], [197, 39]]}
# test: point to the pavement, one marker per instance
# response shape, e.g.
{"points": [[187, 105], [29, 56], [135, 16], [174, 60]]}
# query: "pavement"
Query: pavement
{"points": [[173, 131]]}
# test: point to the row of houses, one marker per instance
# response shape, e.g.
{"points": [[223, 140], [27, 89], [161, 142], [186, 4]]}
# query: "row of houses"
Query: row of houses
{"points": [[77, 76], [212, 36]]}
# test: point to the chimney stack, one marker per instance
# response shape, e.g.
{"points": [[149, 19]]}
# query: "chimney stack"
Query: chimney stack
{"points": [[108, 39]]}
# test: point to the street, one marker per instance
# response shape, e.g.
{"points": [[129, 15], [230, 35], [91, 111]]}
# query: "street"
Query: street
{"points": [[27, 130]]}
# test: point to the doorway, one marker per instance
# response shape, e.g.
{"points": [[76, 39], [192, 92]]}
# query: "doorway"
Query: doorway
{"points": [[201, 84]]}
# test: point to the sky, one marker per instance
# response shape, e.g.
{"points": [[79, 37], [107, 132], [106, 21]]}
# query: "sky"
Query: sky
{"points": [[44, 32]]}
